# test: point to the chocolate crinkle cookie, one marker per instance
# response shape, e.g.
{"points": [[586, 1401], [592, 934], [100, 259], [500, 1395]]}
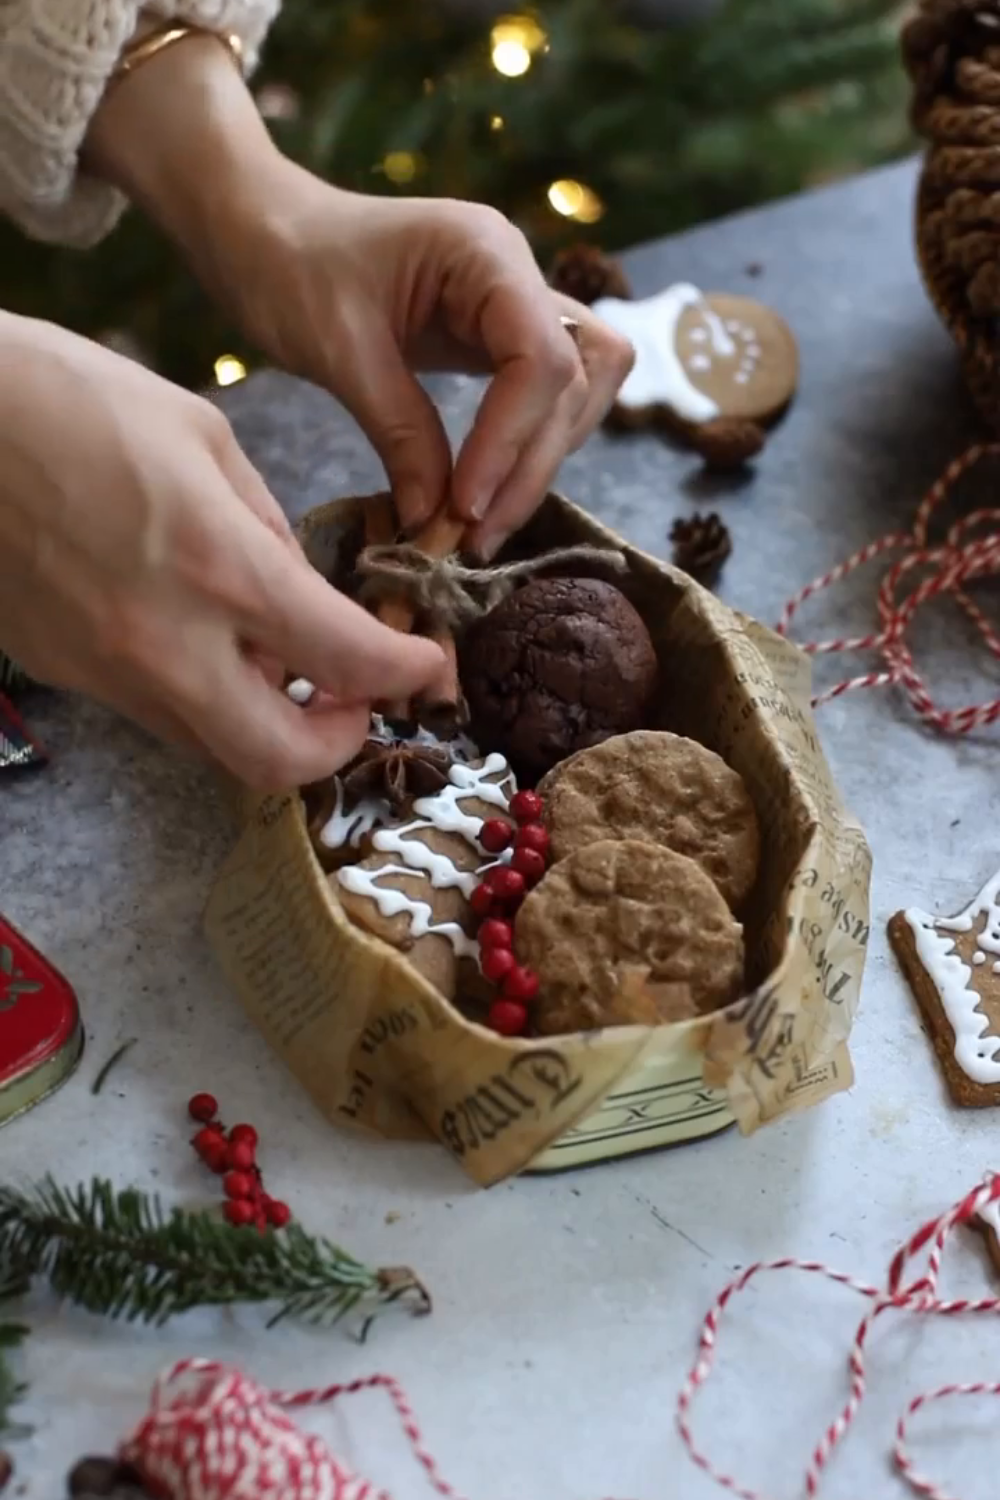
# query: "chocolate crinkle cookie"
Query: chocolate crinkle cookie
{"points": [[562, 664], [662, 789], [627, 933]]}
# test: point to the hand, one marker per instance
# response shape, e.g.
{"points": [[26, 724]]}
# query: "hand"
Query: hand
{"points": [[144, 562], [354, 293]]}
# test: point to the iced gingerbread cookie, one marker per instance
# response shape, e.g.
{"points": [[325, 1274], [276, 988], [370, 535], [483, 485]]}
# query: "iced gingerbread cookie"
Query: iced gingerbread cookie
{"points": [[714, 368], [660, 789], [952, 965], [627, 933], [376, 789], [412, 890]]}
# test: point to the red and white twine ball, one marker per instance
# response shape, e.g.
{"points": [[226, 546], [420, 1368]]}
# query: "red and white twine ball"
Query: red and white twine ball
{"points": [[213, 1434], [495, 902], [926, 571]]}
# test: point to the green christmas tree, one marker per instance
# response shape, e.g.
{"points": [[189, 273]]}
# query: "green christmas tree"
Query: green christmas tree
{"points": [[573, 119]]}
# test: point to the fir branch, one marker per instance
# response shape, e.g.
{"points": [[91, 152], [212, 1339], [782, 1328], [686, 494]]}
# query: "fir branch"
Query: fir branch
{"points": [[123, 1255]]}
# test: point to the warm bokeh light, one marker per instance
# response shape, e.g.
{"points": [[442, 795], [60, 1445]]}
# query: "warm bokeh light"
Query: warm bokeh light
{"points": [[400, 166], [513, 42], [574, 200], [496, 122], [229, 369]]}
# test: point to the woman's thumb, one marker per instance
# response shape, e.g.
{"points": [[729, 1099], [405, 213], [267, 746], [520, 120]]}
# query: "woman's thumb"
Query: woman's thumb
{"points": [[399, 419]]}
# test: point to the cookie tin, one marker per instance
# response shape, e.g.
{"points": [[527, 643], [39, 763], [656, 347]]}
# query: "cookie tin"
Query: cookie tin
{"points": [[41, 1035]]}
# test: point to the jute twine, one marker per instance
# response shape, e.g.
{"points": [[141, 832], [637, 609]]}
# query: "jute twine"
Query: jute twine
{"points": [[445, 593]]}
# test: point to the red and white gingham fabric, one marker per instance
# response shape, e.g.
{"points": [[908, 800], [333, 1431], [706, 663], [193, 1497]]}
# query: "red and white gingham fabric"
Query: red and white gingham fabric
{"points": [[212, 1434], [926, 571]]}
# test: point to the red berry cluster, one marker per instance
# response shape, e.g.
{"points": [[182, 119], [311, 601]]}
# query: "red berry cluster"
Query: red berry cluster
{"points": [[232, 1154], [496, 900]]}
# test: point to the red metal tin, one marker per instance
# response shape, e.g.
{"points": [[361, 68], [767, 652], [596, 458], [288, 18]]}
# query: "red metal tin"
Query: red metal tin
{"points": [[41, 1035]]}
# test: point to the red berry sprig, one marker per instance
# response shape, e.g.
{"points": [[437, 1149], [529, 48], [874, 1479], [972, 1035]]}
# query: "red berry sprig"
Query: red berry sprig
{"points": [[232, 1155], [497, 898]]}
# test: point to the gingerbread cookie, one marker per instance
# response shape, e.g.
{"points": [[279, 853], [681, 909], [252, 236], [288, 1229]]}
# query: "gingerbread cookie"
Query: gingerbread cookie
{"points": [[413, 888], [660, 789], [377, 788], [623, 932], [952, 965], [711, 366]]}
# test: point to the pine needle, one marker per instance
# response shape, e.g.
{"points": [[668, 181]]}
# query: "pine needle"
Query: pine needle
{"points": [[123, 1255], [112, 1062]]}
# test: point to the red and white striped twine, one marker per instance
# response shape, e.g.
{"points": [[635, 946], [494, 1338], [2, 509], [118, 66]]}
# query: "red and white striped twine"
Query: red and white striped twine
{"points": [[943, 569], [919, 1296], [213, 1434]]}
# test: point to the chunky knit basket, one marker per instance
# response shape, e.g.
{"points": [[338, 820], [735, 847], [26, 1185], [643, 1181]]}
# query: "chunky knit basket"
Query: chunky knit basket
{"points": [[951, 49]]}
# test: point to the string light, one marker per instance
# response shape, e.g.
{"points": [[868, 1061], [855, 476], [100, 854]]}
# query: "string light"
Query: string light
{"points": [[514, 41], [574, 200], [229, 369], [496, 122], [400, 166]]}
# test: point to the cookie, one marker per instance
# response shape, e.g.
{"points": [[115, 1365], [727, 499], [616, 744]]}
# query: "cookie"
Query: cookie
{"points": [[952, 965], [376, 789], [560, 664], [412, 889], [623, 932], [432, 925], [704, 361], [657, 788]]}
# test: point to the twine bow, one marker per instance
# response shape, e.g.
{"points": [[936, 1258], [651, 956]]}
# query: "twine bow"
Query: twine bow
{"points": [[449, 594]]}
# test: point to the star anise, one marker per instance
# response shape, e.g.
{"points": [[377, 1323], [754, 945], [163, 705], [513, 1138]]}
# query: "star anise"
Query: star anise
{"points": [[396, 772]]}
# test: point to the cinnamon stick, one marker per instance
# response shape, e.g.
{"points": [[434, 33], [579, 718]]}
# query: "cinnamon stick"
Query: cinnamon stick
{"points": [[441, 707], [439, 538]]}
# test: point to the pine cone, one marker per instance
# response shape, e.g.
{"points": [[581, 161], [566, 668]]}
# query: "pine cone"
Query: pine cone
{"points": [[728, 442], [701, 545], [585, 273]]}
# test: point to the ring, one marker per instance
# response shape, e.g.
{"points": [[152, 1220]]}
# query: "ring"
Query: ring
{"points": [[572, 327]]}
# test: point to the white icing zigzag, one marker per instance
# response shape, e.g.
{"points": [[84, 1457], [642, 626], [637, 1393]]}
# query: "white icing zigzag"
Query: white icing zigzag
{"points": [[443, 811], [977, 1055]]}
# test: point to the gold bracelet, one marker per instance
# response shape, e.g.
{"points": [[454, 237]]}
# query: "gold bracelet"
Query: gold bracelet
{"points": [[141, 49]]}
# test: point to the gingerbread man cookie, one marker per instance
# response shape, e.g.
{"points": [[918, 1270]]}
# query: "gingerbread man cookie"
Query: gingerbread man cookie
{"points": [[714, 368], [952, 965]]}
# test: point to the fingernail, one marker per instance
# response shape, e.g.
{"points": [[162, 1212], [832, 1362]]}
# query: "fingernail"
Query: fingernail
{"points": [[412, 506], [488, 546], [481, 504]]}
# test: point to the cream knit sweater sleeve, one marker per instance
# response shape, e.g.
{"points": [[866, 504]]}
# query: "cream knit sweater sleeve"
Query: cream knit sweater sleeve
{"points": [[56, 57]]}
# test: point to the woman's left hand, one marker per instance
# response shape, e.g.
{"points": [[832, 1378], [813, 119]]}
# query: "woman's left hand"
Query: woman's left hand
{"points": [[356, 293]]}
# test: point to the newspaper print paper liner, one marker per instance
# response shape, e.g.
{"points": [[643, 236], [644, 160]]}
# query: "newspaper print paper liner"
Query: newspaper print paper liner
{"points": [[376, 1046]]}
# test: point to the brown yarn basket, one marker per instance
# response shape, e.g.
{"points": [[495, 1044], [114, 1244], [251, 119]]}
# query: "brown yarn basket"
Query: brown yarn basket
{"points": [[951, 51]]}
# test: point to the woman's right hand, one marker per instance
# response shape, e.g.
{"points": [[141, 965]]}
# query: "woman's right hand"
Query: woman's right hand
{"points": [[144, 562]]}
